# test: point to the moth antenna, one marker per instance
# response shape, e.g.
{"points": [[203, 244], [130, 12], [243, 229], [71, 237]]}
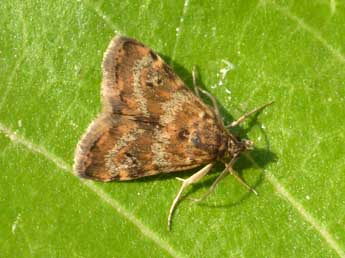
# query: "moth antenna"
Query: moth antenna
{"points": [[246, 115]]}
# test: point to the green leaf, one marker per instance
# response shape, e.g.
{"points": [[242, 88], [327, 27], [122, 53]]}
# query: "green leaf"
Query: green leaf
{"points": [[247, 53]]}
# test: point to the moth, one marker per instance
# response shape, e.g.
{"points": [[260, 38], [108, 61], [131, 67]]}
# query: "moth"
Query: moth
{"points": [[152, 123]]}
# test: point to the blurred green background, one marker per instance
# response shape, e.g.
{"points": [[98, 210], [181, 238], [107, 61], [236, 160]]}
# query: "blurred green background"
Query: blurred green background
{"points": [[247, 53]]}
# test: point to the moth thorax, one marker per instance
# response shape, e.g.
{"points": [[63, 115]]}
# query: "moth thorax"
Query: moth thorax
{"points": [[236, 147]]}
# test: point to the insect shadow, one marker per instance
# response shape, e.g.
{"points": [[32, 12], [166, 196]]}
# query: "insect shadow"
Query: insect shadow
{"points": [[262, 156]]}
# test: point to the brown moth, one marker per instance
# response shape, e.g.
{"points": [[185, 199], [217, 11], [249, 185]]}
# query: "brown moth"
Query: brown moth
{"points": [[152, 123]]}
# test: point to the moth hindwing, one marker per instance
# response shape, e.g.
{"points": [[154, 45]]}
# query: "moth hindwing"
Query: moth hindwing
{"points": [[150, 122]]}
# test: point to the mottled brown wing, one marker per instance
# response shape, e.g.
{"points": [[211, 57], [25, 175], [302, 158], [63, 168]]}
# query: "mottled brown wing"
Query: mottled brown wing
{"points": [[136, 81], [119, 148], [151, 122], [107, 151]]}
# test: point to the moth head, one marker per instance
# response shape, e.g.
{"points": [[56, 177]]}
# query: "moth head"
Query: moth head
{"points": [[247, 144], [237, 146]]}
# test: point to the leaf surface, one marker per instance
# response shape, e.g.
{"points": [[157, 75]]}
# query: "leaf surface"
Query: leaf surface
{"points": [[247, 53]]}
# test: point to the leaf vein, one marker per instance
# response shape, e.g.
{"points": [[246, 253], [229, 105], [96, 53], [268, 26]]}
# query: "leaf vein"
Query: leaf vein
{"points": [[103, 16], [15, 138], [323, 231], [178, 30], [316, 34]]}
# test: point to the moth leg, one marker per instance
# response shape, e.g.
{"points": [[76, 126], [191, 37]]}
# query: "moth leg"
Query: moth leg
{"points": [[186, 182], [239, 179], [212, 187], [215, 183], [214, 103], [245, 116], [196, 88]]}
